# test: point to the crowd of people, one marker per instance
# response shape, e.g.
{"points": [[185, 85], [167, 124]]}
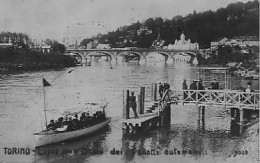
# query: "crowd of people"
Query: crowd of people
{"points": [[71, 123]]}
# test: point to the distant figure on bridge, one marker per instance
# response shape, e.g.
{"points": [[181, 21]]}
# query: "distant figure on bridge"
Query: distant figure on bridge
{"points": [[214, 84], [160, 89], [184, 86], [132, 104]]}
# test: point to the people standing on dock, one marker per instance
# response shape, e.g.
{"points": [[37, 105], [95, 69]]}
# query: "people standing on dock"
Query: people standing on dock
{"points": [[160, 89], [249, 98], [248, 87], [214, 84], [166, 86], [184, 87], [132, 104], [193, 86], [200, 93]]}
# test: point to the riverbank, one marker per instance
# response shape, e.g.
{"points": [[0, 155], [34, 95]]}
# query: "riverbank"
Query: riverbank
{"points": [[17, 60], [248, 148]]}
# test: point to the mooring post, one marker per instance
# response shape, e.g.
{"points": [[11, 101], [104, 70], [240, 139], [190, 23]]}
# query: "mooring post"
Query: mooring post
{"points": [[126, 104], [232, 113], [141, 101], [199, 110], [203, 117], [241, 116], [154, 92]]}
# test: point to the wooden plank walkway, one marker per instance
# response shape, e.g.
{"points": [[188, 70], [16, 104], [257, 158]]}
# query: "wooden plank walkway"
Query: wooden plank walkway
{"points": [[139, 120], [216, 98]]}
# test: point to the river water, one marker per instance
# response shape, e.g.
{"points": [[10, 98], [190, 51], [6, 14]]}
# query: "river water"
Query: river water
{"points": [[21, 103]]}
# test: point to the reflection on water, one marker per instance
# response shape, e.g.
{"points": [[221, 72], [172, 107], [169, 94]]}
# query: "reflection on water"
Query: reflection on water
{"points": [[21, 104]]}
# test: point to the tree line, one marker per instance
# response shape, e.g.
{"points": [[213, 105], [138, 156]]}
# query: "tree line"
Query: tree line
{"points": [[237, 19]]}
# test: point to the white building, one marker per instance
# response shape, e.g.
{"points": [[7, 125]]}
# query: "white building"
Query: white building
{"points": [[183, 44], [103, 46]]}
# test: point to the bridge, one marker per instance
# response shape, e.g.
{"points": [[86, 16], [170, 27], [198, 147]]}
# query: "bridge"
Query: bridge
{"points": [[113, 54], [215, 98]]}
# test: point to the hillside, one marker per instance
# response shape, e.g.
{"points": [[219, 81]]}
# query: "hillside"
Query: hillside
{"points": [[236, 19]]}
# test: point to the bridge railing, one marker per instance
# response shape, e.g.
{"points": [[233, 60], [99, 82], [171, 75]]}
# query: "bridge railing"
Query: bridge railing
{"points": [[228, 98]]}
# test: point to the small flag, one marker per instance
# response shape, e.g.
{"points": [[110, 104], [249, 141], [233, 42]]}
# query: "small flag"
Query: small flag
{"points": [[45, 83]]}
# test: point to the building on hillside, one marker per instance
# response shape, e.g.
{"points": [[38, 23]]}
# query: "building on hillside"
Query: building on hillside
{"points": [[103, 46], [46, 49], [183, 44], [241, 41], [245, 40], [220, 41], [6, 45], [158, 43], [144, 30]]}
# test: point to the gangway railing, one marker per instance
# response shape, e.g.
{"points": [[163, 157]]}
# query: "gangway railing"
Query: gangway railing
{"points": [[224, 98]]}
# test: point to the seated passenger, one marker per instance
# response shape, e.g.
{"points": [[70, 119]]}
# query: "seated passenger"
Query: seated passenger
{"points": [[75, 122], [69, 124], [51, 126]]}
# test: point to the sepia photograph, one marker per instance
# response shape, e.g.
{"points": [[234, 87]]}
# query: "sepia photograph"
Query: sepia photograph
{"points": [[129, 81]]}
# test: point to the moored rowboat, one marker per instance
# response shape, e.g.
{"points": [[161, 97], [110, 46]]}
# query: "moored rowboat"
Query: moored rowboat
{"points": [[50, 137]]}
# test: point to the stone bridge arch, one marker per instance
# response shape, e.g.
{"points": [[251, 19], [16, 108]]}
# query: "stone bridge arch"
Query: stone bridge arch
{"points": [[105, 53], [193, 56], [125, 53], [79, 58], [165, 54]]}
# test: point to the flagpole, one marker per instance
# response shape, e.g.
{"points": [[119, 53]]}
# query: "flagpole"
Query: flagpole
{"points": [[44, 103]]}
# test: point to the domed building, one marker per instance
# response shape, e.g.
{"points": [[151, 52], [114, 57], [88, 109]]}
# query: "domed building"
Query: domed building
{"points": [[183, 44]]}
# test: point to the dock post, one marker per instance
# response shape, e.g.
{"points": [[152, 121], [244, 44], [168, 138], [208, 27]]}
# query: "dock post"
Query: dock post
{"points": [[141, 100], [241, 119], [241, 116], [232, 113], [203, 117], [139, 103], [126, 104], [154, 92], [166, 115]]}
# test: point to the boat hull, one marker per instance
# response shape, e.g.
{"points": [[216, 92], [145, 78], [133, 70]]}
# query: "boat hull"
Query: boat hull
{"points": [[44, 139]]}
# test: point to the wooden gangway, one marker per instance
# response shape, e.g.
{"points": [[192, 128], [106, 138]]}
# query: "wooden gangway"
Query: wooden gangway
{"points": [[216, 98]]}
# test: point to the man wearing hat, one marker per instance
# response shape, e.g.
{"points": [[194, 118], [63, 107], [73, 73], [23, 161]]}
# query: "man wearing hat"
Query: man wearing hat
{"points": [[184, 87], [51, 126], [214, 84], [160, 89], [132, 104]]}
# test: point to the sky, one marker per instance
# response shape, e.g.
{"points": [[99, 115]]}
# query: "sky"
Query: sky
{"points": [[77, 19]]}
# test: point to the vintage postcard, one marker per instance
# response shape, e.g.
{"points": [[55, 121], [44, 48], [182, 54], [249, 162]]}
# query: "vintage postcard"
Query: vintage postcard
{"points": [[129, 81]]}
